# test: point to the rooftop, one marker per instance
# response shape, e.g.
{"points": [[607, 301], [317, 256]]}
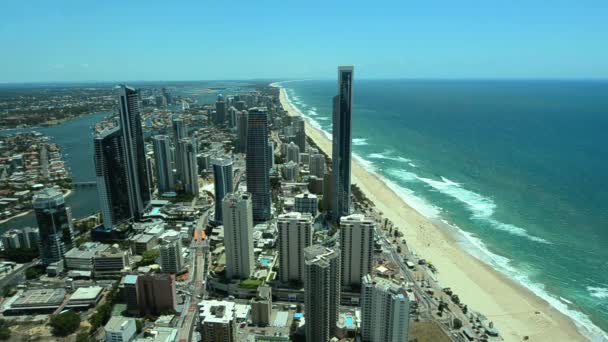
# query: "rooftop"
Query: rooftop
{"points": [[87, 293], [216, 311], [117, 323]]}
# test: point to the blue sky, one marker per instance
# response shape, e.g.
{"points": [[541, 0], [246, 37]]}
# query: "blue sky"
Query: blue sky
{"points": [[126, 40]]}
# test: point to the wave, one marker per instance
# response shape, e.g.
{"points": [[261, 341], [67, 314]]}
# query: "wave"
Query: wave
{"points": [[475, 246], [482, 208], [387, 155], [358, 141], [598, 292], [312, 112]]}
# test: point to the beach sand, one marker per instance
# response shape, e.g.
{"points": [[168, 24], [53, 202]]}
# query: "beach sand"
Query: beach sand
{"points": [[515, 311]]}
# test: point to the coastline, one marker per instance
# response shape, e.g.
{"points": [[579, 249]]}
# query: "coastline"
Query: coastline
{"points": [[509, 305]]}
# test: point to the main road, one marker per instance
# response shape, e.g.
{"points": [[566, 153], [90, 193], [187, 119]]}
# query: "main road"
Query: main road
{"points": [[198, 281]]}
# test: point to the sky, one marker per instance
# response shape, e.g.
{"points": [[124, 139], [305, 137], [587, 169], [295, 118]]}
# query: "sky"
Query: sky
{"points": [[128, 40]]}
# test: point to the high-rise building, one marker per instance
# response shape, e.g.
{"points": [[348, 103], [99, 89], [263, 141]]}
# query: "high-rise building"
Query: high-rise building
{"points": [[171, 259], [238, 234], [300, 131], [321, 291], [163, 163], [135, 155], [317, 165], [54, 224], [292, 153], [261, 306], [241, 131], [385, 311], [166, 95], [217, 321], [328, 186], [291, 171], [112, 178], [156, 293], [180, 131], [27, 237], [258, 180], [295, 234], [306, 203], [270, 154], [222, 174], [342, 143], [220, 110], [357, 244], [189, 165]]}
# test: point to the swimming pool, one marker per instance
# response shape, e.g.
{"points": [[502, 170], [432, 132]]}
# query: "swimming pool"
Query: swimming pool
{"points": [[265, 260], [349, 321]]}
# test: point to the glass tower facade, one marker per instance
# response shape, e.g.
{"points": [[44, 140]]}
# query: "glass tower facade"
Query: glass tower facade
{"points": [[54, 223], [257, 163]]}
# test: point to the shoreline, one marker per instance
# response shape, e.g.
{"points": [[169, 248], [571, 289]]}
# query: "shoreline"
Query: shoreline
{"points": [[65, 195], [512, 307]]}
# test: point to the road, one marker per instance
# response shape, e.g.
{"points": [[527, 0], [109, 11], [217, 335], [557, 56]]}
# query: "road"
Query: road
{"points": [[17, 276], [200, 248]]}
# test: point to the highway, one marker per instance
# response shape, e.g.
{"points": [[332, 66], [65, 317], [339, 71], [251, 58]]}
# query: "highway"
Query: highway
{"points": [[197, 288]]}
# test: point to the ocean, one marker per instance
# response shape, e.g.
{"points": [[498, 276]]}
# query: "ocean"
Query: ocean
{"points": [[520, 168]]}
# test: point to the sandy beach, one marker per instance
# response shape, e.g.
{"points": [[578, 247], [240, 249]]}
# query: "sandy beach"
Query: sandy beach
{"points": [[515, 310]]}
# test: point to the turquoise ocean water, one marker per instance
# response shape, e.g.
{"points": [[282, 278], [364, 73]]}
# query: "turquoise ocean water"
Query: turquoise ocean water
{"points": [[520, 168]]}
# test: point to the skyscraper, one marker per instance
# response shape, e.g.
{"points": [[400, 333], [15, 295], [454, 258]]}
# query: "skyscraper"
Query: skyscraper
{"points": [[295, 234], [130, 126], [222, 174], [299, 128], [357, 244], [385, 311], [321, 291], [171, 252], [113, 186], [238, 234], [54, 223], [241, 131], [220, 110], [317, 165], [163, 163], [292, 153], [258, 181], [189, 165], [270, 154], [156, 293], [342, 143], [180, 131]]}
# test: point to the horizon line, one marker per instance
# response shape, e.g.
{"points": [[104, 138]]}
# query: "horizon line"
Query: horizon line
{"points": [[298, 79]]}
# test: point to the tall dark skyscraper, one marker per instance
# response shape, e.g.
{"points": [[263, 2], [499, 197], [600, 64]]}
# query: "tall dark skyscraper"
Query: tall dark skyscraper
{"points": [[220, 111], [258, 181], [222, 174], [189, 165], [112, 178], [54, 224], [180, 131], [130, 125], [241, 131], [299, 128], [163, 163], [342, 143]]}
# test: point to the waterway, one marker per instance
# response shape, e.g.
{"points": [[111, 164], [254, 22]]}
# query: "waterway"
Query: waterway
{"points": [[75, 137]]}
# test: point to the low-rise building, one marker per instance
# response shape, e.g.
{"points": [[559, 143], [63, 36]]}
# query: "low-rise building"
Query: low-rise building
{"points": [[85, 297], [120, 329]]}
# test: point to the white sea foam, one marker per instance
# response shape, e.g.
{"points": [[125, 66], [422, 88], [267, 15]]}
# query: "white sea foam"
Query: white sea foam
{"points": [[358, 141], [403, 175], [387, 155], [412, 164], [474, 246], [482, 208], [598, 292], [312, 112], [367, 165]]}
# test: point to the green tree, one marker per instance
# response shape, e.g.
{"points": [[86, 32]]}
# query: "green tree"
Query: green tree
{"points": [[5, 332], [84, 336], [20, 255], [149, 257], [33, 273], [64, 324], [457, 323], [139, 324]]}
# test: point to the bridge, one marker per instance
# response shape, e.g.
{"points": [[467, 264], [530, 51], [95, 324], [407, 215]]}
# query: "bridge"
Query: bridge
{"points": [[84, 184]]}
